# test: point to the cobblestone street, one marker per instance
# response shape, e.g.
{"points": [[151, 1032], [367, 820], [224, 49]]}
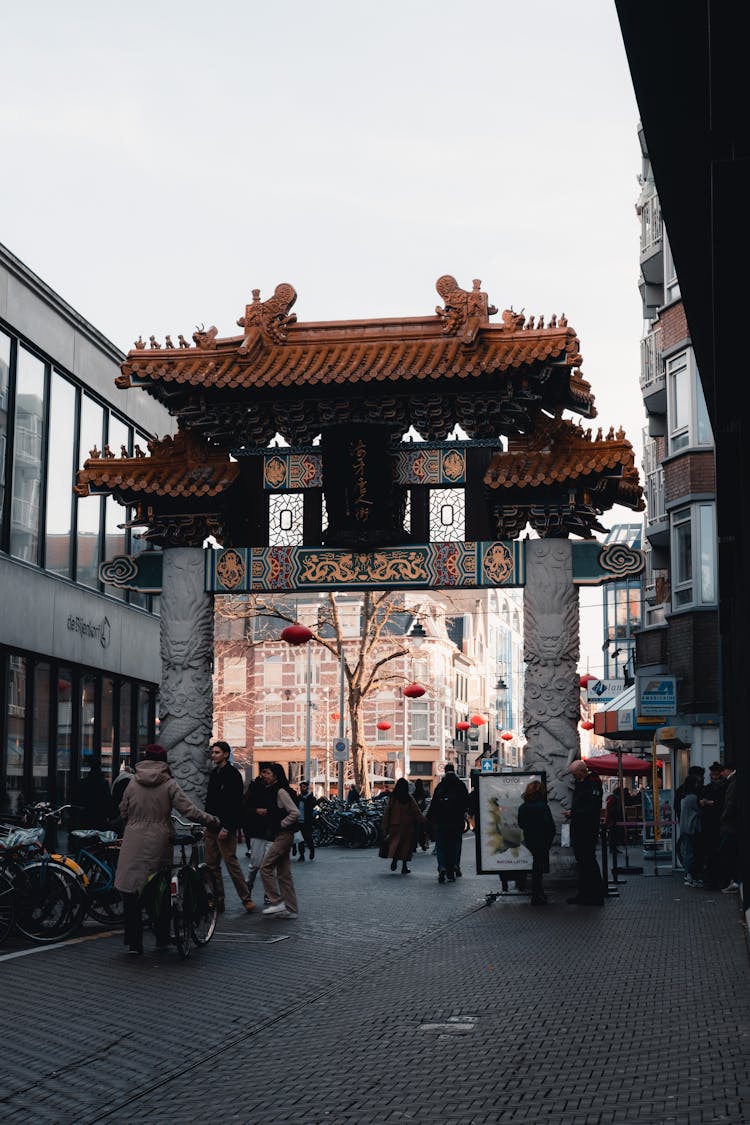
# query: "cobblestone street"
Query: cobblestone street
{"points": [[394, 999]]}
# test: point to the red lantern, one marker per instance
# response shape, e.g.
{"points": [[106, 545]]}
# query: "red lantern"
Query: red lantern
{"points": [[587, 724], [383, 725], [462, 725], [585, 680], [335, 717], [296, 634], [478, 720], [506, 736], [414, 691]]}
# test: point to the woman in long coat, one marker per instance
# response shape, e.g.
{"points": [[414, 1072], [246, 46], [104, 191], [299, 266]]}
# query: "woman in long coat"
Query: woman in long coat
{"points": [[400, 820], [146, 809]]}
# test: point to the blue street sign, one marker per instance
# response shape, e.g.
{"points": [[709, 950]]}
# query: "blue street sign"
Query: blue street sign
{"points": [[487, 765]]}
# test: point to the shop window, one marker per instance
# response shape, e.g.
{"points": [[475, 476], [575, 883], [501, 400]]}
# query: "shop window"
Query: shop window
{"points": [[40, 735], [15, 745], [126, 721], [88, 723], [108, 728], [63, 743]]}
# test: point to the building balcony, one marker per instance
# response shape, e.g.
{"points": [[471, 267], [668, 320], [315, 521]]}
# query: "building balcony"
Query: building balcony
{"points": [[653, 379]]}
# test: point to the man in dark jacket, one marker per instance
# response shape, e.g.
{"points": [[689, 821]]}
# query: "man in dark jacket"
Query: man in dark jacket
{"points": [[584, 817], [445, 817], [258, 807], [224, 801], [306, 802]]}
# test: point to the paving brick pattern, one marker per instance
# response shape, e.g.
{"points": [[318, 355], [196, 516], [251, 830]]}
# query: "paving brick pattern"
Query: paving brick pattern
{"points": [[393, 999]]}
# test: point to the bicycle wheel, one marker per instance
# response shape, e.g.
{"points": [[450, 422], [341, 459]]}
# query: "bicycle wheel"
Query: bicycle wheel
{"points": [[7, 907], [181, 920], [51, 901], [205, 911]]}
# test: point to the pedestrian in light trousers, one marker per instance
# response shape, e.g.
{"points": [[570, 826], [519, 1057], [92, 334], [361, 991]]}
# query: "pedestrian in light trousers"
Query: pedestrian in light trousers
{"points": [[276, 868]]}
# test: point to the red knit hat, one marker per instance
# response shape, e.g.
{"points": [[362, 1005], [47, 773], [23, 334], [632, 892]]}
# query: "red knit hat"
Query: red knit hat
{"points": [[155, 753]]}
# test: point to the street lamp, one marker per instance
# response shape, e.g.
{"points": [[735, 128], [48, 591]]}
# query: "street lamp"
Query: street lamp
{"points": [[297, 634]]}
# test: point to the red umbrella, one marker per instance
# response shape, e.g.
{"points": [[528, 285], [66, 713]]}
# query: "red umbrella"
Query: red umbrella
{"points": [[608, 764]]}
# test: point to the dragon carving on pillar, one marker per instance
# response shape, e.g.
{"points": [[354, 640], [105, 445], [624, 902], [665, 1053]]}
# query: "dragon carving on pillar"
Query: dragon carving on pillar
{"points": [[186, 694]]}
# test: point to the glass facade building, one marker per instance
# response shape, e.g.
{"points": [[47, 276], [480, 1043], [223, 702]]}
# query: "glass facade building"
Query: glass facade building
{"points": [[79, 662]]}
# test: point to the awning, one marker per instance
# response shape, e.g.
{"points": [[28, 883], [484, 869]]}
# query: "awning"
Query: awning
{"points": [[619, 720]]}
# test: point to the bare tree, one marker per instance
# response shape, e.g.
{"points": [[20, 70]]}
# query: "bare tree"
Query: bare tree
{"points": [[366, 657]]}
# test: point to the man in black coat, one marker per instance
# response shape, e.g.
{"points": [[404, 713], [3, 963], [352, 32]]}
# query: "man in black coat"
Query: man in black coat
{"points": [[445, 817], [306, 802], [224, 801], [585, 815]]}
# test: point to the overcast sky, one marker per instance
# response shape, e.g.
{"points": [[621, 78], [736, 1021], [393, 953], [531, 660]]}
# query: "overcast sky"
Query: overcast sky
{"points": [[161, 159]]}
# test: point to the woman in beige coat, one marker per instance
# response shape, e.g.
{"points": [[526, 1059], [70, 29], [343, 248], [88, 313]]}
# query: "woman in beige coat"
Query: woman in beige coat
{"points": [[400, 819], [146, 809]]}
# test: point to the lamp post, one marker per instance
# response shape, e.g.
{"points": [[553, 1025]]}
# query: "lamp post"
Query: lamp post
{"points": [[414, 690], [300, 635]]}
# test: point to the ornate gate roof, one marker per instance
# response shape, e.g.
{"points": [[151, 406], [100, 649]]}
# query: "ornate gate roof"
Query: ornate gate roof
{"points": [[292, 377]]}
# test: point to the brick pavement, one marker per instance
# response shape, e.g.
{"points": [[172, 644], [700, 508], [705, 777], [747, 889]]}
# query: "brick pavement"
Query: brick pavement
{"points": [[394, 999]]}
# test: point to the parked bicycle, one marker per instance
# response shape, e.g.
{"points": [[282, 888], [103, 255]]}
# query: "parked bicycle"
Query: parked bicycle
{"points": [[186, 889], [39, 894], [353, 826], [96, 852]]}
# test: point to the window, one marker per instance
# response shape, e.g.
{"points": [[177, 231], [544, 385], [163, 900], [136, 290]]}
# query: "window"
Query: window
{"points": [[687, 415], [89, 507], [271, 726], [447, 515], [273, 671], [285, 519], [420, 721], [693, 542], [420, 769], [235, 673], [60, 470], [28, 448], [671, 281], [235, 730], [4, 390]]}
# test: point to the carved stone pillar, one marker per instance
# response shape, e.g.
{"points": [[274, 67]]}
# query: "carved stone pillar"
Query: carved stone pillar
{"points": [[551, 650], [186, 694]]}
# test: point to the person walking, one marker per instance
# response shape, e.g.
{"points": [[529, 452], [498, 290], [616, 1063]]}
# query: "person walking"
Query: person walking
{"points": [[690, 827], [306, 802], [538, 827], [584, 816], [224, 801], [276, 868], [728, 827], [258, 809], [420, 796], [146, 809], [711, 801], [400, 821], [446, 817]]}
